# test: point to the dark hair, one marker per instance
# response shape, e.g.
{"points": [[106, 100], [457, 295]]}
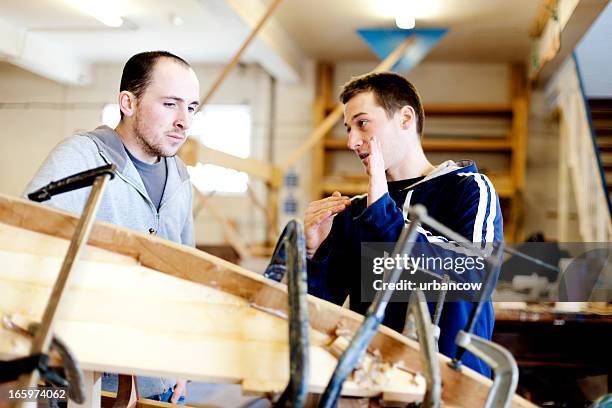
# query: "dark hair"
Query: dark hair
{"points": [[392, 92], [137, 71]]}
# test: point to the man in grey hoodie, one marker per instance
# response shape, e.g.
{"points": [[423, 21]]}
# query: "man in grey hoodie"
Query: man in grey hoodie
{"points": [[158, 96]]}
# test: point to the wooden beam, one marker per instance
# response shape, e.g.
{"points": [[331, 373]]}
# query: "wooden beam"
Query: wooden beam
{"points": [[461, 389], [325, 74], [331, 119], [194, 152], [228, 68], [546, 11], [230, 234], [560, 36]]}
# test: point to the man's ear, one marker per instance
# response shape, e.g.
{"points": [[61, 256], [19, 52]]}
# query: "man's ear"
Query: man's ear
{"points": [[127, 103], [407, 116]]}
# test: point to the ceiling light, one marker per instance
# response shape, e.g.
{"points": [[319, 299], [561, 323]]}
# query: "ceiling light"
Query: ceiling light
{"points": [[405, 21], [176, 20], [104, 11], [404, 14]]}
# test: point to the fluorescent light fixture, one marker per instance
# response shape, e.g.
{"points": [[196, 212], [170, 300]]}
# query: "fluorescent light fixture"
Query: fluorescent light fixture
{"points": [[104, 11], [405, 21]]}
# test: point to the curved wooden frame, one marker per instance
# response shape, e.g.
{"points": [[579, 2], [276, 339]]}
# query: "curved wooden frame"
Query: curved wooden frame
{"points": [[461, 389]]}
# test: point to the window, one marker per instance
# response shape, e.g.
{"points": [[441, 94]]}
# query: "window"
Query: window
{"points": [[222, 127], [111, 115], [226, 128]]}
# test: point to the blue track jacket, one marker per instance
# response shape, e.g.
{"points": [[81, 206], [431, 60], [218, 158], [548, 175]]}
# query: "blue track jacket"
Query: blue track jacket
{"points": [[455, 194]]}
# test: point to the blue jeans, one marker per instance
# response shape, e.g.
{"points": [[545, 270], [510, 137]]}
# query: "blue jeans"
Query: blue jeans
{"points": [[165, 397]]}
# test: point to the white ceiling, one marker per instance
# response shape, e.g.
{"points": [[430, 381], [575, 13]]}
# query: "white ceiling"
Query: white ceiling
{"points": [[56, 39], [479, 30]]}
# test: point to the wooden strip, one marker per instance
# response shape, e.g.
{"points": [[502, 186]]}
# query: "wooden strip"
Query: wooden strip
{"points": [[473, 109], [228, 68], [194, 152], [231, 235], [447, 144], [336, 114], [465, 389]]}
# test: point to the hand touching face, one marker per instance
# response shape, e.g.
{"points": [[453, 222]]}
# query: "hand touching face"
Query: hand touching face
{"points": [[373, 159]]}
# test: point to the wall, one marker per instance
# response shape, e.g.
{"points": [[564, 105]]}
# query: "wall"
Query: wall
{"points": [[542, 177], [30, 132]]}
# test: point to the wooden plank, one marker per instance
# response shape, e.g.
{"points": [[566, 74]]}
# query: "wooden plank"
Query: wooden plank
{"points": [[444, 144], [573, 18], [468, 109], [228, 68], [110, 397], [214, 336], [463, 109], [323, 98], [195, 152], [465, 389], [520, 119], [230, 234], [545, 12], [351, 185]]}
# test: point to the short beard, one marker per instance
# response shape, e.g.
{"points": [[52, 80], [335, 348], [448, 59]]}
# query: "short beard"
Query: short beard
{"points": [[147, 147]]}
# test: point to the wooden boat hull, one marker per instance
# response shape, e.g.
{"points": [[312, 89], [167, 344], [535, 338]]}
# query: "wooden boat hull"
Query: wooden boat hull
{"points": [[142, 305]]}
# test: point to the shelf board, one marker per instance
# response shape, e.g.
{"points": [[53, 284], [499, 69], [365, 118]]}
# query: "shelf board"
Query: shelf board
{"points": [[488, 109], [463, 109], [336, 144], [465, 145], [351, 186], [444, 145]]}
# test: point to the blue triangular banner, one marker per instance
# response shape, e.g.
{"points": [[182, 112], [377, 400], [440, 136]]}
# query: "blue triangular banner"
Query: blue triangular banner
{"points": [[384, 40]]}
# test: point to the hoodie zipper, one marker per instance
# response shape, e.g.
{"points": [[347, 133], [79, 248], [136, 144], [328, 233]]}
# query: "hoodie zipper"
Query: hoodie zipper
{"points": [[152, 230]]}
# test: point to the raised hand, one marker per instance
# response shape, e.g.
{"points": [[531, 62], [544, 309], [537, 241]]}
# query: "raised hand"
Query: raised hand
{"points": [[319, 218], [375, 167]]}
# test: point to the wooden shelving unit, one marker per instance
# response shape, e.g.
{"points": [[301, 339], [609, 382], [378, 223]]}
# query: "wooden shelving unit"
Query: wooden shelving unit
{"points": [[509, 184]]}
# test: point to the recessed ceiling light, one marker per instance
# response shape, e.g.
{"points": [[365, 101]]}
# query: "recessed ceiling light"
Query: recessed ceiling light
{"points": [[176, 20], [405, 21], [404, 14]]}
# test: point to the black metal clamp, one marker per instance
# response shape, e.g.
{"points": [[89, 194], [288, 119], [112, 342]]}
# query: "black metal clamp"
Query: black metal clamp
{"points": [[289, 259], [70, 377], [373, 319], [73, 182]]}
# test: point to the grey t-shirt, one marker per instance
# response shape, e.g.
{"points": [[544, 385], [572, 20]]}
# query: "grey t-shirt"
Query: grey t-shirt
{"points": [[153, 176]]}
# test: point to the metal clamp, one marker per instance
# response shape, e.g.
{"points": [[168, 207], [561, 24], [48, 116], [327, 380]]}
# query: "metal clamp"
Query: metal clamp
{"points": [[73, 375], [73, 182], [289, 259], [501, 362], [373, 318], [428, 350]]}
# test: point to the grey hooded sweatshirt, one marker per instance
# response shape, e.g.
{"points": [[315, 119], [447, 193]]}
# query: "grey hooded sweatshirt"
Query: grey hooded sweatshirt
{"points": [[125, 201]]}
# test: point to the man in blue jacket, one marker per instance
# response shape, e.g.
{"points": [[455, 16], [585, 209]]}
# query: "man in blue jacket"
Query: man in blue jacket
{"points": [[383, 116]]}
